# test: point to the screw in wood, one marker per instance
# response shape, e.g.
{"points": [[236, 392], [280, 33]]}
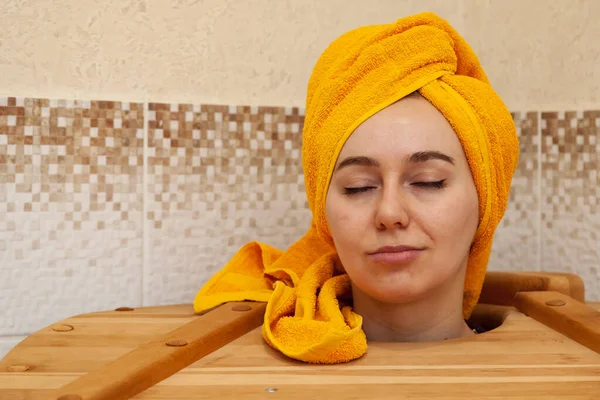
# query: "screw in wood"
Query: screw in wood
{"points": [[18, 368], [62, 328], [70, 397], [177, 343], [241, 307], [555, 303]]}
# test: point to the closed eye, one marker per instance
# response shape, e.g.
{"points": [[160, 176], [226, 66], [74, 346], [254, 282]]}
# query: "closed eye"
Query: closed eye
{"points": [[430, 185], [427, 185], [348, 191]]}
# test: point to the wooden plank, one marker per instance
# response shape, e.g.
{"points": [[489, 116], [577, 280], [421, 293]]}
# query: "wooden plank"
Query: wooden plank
{"points": [[521, 359], [508, 362], [501, 287], [151, 363], [574, 319], [518, 341], [527, 390], [513, 361], [97, 338]]}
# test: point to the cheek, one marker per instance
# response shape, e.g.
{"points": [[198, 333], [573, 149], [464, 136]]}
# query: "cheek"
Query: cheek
{"points": [[344, 222], [456, 218]]}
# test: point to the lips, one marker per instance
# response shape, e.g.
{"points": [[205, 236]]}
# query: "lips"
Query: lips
{"points": [[395, 254]]}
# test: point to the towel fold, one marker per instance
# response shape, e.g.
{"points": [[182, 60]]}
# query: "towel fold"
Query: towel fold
{"points": [[309, 315]]}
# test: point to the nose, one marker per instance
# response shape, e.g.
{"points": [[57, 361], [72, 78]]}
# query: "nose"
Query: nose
{"points": [[392, 211]]}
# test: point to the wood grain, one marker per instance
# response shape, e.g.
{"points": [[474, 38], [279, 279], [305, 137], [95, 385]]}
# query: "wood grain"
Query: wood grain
{"points": [[574, 319], [149, 364], [520, 358], [500, 287]]}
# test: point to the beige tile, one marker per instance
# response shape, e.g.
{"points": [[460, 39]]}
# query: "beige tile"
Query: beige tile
{"points": [[570, 195], [218, 177], [70, 209], [516, 243]]}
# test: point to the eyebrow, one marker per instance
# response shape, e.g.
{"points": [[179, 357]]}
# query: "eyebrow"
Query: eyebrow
{"points": [[422, 156], [415, 158]]}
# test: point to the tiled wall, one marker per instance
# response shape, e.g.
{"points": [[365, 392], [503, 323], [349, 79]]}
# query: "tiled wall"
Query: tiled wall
{"points": [[107, 204], [217, 177]]}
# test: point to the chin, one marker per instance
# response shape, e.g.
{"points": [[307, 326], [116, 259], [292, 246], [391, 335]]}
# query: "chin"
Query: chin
{"points": [[396, 297], [399, 294]]}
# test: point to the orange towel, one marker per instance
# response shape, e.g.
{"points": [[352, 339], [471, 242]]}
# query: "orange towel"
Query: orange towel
{"points": [[359, 74]]}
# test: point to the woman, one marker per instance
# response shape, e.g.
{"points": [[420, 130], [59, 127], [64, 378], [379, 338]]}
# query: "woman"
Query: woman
{"points": [[402, 210], [408, 156]]}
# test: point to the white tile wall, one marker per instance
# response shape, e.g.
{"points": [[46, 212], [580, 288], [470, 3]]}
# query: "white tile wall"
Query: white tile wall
{"points": [[7, 343]]}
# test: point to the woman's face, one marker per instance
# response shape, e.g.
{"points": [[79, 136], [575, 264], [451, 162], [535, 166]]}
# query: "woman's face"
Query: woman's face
{"points": [[402, 207]]}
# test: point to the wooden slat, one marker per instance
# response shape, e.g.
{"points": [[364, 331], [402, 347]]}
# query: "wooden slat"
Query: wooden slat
{"points": [[501, 287], [97, 338], [574, 319], [522, 358], [575, 390], [151, 363]]}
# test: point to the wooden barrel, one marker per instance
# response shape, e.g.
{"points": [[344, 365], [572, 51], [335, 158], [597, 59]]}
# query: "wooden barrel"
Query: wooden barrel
{"points": [[544, 345]]}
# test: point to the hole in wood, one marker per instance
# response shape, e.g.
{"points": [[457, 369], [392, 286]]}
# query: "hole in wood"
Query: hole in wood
{"points": [[62, 328], [124, 309], [555, 303], [18, 368], [487, 317], [70, 397], [241, 307], [177, 343]]}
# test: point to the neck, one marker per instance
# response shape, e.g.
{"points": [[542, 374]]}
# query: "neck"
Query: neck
{"points": [[428, 319]]}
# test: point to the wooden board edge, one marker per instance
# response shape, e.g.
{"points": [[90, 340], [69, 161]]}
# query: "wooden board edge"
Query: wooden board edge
{"points": [[155, 361], [501, 287], [574, 319]]}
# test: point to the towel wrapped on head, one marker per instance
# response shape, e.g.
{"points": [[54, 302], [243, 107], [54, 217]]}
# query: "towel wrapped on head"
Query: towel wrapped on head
{"points": [[308, 295]]}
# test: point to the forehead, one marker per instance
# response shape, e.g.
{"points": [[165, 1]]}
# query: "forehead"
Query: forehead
{"points": [[407, 126]]}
